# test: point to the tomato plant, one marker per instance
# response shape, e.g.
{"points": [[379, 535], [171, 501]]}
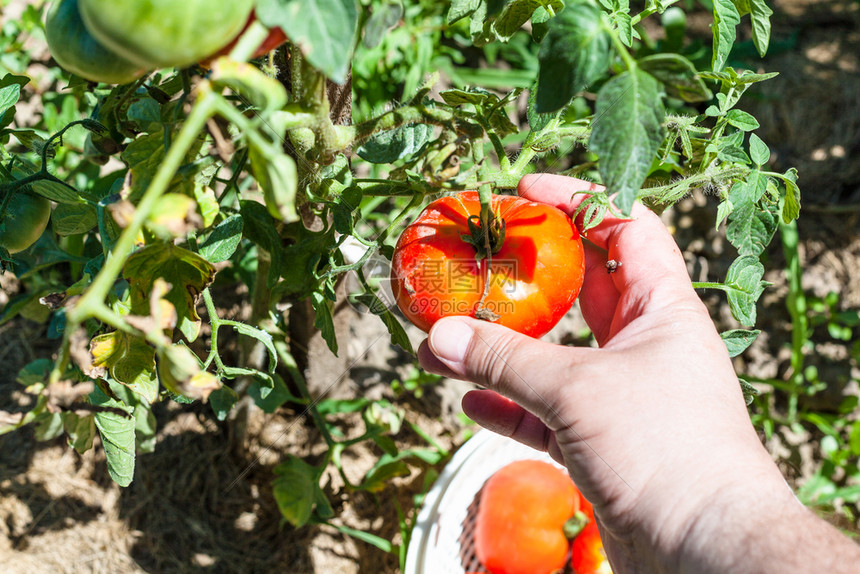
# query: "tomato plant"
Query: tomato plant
{"points": [[165, 33], [521, 516], [269, 179], [76, 50], [275, 38], [24, 219], [535, 267]]}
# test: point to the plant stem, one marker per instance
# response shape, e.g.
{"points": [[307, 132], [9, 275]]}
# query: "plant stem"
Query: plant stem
{"points": [[796, 303]]}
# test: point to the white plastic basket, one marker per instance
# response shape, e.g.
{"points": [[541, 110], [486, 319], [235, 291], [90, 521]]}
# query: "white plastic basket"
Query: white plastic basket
{"points": [[442, 538]]}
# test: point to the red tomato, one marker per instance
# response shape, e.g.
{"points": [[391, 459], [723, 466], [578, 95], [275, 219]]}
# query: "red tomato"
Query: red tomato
{"points": [[586, 553], [521, 516], [534, 277]]}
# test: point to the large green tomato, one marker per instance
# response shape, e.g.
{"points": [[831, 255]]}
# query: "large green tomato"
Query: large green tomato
{"points": [[24, 221], [165, 33], [75, 49]]}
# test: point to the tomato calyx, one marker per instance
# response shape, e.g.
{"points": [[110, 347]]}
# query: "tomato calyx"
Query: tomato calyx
{"points": [[575, 525], [485, 243]]}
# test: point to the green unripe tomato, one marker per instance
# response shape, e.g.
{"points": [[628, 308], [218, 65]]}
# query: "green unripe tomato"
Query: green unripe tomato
{"points": [[165, 33], [75, 49], [24, 221]]}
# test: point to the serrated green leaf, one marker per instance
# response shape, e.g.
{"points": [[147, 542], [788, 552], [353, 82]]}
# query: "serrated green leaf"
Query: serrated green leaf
{"points": [[118, 436], [678, 75], [750, 228], [574, 53], [396, 144], [627, 133], [738, 340], [742, 120], [749, 391], [743, 286], [759, 152], [324, 30], [726, 20]]}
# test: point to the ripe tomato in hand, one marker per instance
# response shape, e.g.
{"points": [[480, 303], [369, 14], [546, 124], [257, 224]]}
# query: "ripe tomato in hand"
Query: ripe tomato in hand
{"points": [[521, 517], [24, 221], [534, 277]]}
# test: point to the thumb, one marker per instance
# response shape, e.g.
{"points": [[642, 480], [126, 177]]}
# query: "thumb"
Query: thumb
{"points": [[512, 364]]}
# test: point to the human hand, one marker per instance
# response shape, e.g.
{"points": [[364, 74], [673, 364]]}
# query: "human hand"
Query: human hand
{"points": [[652, 424]]}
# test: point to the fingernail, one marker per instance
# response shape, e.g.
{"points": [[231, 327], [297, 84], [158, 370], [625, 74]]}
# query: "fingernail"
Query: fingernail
{"points": [[449, 340]]}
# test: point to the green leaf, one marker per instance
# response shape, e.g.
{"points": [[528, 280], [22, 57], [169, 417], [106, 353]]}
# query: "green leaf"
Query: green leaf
{"points": [[678, 75], [325, 320], [130, 361], [742, 120], [749, 391], [80, 430], [118, 436], [324, 30], [58, 192], [743, 287], [738, 340], [538, 121], [627, 132], [260, 335], [259, 228], [294, 490], [750, 228], [187, 272], [791, 203], [759, 152], [224, 240], [274, 397], [145, 427], [726, 20], [222, 401], [513, 16], [277, 175], [372, 539], [574, 53], [396, 144], [760, 14], [69, 219], [461, 8], [10, 91]]}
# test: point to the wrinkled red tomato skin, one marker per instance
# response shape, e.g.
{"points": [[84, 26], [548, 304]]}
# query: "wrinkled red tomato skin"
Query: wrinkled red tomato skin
{"points": [[535, 277]]}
